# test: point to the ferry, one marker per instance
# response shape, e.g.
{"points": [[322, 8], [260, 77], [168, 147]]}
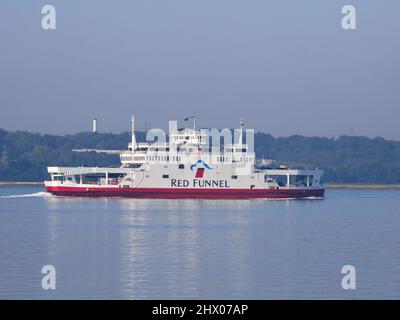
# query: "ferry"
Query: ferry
{"points": [[186, 165]]}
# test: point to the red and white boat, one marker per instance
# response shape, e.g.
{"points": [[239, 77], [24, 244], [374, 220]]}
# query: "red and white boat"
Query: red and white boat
{"points": [[187, 166]]}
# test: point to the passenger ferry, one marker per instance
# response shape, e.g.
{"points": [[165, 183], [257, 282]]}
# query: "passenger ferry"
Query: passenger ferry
{"points": [[185, 166]]}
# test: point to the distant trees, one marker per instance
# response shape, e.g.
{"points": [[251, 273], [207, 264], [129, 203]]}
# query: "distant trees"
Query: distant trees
{"points": [[24, 156], [345, 159]]}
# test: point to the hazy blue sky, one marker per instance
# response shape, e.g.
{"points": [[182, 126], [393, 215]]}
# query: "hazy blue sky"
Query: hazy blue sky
{"points": [[287, 66]]}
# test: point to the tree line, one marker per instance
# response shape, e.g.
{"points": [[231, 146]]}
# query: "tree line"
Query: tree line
{"points": [[347, 159]]}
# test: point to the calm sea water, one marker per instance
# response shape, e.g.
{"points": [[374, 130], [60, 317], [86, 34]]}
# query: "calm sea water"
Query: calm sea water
{"points": [[205, 249]]}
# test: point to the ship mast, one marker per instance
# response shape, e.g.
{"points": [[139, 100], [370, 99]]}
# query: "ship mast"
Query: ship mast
{"points": [[241, 131], [133, 142]]}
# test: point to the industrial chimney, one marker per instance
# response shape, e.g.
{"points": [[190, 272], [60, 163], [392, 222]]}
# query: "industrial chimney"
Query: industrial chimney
{"points": [[94, 130]]}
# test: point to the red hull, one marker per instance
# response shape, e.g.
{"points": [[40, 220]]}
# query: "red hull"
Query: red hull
{"points": [[183, 193]]}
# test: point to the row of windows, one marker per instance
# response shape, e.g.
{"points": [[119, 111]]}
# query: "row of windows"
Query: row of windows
{"points": [[166, 176], [159, 149], [236, 150], [228, 159], [199, 138], [153, 158], [178, 158], [163, 158]]}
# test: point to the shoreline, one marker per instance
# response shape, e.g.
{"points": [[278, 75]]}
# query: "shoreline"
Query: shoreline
{"points": [[365, 186], [22, 184]]}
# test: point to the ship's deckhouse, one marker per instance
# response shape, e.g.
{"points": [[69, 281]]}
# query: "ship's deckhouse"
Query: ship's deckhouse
{"points": [[185, 145]]}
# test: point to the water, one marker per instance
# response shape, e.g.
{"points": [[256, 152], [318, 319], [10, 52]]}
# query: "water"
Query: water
{"points": [[205, 249]]}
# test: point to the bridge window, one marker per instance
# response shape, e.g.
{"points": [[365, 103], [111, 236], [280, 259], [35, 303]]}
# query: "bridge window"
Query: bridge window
{"points": [[181, 166], [165, 176]]}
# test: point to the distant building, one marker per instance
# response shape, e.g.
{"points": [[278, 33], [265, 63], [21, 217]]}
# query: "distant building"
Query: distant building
{"points": [[94, 127]]}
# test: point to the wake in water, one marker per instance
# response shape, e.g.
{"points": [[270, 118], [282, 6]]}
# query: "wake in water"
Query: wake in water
{"points": [[30, 195]]}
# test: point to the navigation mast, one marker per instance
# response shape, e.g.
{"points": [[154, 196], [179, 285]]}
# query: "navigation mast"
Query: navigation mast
{"points": [[133, 142], [241, 131]]}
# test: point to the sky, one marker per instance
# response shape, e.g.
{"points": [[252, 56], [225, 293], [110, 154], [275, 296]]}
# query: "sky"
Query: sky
{"points": [[287, 67]]}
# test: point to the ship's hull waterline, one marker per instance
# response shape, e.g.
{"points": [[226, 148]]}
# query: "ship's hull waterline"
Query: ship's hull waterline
{"points": [[187, 193]]}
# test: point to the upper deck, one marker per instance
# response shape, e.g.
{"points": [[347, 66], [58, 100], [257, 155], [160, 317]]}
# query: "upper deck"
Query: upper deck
{"points": [[186, 144]]}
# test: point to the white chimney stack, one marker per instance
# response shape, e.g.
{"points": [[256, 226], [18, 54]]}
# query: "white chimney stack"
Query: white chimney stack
{"points": [[94, 130]]}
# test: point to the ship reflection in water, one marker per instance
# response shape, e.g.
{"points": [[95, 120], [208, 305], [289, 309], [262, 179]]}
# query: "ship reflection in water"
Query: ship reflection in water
{"points": [[224, 249], [180, 247]]}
